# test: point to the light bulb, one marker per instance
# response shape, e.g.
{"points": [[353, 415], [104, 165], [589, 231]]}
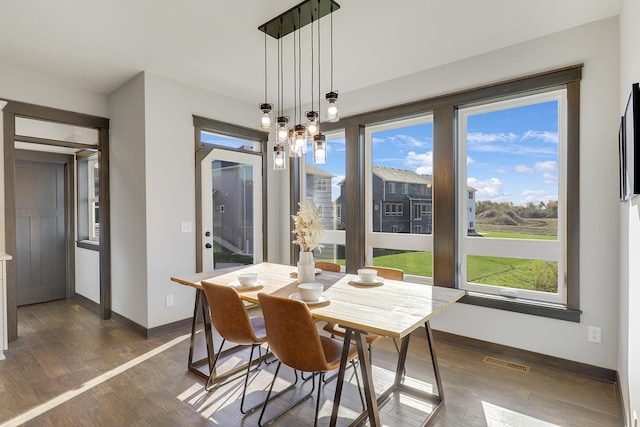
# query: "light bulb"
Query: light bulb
{"points": [[319, 149], [278, 158], [265, 119], [332, 106], [283, 129]]}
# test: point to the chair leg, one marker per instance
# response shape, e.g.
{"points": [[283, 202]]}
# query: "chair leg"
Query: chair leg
{"points": [[246, 381], [320, 377], [208, 386], [269, 397]]}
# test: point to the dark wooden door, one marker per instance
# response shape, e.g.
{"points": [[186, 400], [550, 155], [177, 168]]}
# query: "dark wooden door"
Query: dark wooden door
{"points": [[40, 231]]}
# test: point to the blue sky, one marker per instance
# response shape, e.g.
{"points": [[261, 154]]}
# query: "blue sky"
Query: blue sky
{"points": [[512, 155]]}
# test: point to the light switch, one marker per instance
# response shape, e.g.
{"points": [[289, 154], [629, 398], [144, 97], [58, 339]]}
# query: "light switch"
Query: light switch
{"points": [[186, 227]]}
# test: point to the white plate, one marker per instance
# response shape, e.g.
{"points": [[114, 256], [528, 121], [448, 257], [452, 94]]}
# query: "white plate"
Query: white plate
{"points": [[359, 281], [238, 286], [323, 298]]}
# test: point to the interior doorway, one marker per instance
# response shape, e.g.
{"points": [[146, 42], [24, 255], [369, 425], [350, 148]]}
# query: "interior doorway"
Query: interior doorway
{"points": [[50, 130]]}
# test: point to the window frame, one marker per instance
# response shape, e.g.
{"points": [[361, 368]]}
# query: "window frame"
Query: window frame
{"points": [[547, 250], [443, 107]]}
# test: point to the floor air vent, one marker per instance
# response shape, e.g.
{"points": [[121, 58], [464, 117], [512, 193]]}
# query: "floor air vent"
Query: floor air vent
{"points": [[509, 364]]}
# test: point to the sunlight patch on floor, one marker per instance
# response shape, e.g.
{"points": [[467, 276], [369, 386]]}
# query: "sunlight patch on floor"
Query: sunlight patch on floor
{"points": [[65, 397], [497, 416]]}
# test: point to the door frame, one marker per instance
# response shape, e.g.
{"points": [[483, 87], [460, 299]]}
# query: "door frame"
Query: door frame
{"points": [[202, 151], [69, 227], [15, 109]]}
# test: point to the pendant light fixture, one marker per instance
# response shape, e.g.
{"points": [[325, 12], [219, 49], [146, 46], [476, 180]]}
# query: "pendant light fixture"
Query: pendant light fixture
{"points": [[303, 129], [332, 96], [265, 107]]}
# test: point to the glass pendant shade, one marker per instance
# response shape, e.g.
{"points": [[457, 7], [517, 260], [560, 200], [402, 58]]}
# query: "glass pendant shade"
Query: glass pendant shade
{"points": [[312, 124], [265, 119], [332, 106], [282, 130], [279, 158], [295, 150], [300, 139], [319, 149]]}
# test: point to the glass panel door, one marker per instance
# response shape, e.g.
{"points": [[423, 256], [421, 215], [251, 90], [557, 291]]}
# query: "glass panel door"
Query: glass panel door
{"points": [[231, 209]]}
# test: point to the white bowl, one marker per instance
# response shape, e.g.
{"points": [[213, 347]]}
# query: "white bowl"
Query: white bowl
{"points": [[367, 274], [247, 279], [310, 291]]}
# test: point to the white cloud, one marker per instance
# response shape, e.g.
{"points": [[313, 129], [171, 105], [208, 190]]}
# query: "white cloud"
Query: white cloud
{"points": [[489, 189], [549, 178], [473, 137], [548, 166], [501, 170], [537, 196], [545, 136], [410, 141], [523, 169], [422, 162]]}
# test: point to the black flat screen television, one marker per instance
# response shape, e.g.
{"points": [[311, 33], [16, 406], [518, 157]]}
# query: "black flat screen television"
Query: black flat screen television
{"points": [[631, 138]]}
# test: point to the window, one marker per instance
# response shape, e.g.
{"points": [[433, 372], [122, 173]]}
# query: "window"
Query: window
{"points": [[393, 209], [322, 184], [88, 183], [94, 198], [391, 187], [399, 157], [325, 183], [396, 143], [513, 164]]}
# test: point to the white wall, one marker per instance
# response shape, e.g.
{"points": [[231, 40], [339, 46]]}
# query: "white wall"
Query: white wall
{"points": [[595, 45], [629, 348], [128, 208], [170, 181], [88, 274]]}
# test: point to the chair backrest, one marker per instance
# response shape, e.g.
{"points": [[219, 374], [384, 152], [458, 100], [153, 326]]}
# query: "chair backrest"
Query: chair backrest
{"points": [[388, 272], [328, 266], [292, 334], [228, 314]]}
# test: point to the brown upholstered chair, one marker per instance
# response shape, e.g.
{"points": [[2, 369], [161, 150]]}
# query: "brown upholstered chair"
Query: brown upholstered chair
{"points": [[295, 341], [230, 318], [387, 273], [328, 266]]}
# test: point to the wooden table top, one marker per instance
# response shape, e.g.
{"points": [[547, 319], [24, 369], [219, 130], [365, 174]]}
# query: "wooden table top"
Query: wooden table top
{"points": [[394, 308]]}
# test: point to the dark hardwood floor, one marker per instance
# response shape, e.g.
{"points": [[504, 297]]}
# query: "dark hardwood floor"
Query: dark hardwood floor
{"points": [[68, 368]]}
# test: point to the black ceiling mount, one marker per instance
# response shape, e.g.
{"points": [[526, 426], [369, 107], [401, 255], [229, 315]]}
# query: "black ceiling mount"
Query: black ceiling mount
{"points": [[298, 16]]}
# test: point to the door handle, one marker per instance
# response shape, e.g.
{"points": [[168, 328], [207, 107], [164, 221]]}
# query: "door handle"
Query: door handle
{"points": [[208, 246]]}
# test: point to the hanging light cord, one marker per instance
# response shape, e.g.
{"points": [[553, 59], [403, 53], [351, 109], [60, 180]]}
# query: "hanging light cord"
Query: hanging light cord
{"points": [[299, 69], [265, 66], [319, 79], [312, 59], [331, 16], [295, 85]]}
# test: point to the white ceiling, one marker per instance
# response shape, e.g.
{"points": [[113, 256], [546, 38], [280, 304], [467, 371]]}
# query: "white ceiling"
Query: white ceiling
{"points": [[99, 45]]}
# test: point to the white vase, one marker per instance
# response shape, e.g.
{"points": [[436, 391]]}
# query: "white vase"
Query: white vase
{"points": [[306, 268]]}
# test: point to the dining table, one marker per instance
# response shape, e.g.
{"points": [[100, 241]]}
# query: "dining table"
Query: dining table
{"points": [[390, 308]]}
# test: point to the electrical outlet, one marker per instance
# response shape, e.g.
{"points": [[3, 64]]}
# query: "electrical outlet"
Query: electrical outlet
{"points": [[169, 301], [635, 419], [186, 227], [595, 334]]}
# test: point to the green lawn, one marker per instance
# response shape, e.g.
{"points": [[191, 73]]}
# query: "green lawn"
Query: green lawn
{"points": [[504, 235], [507, 272]]}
